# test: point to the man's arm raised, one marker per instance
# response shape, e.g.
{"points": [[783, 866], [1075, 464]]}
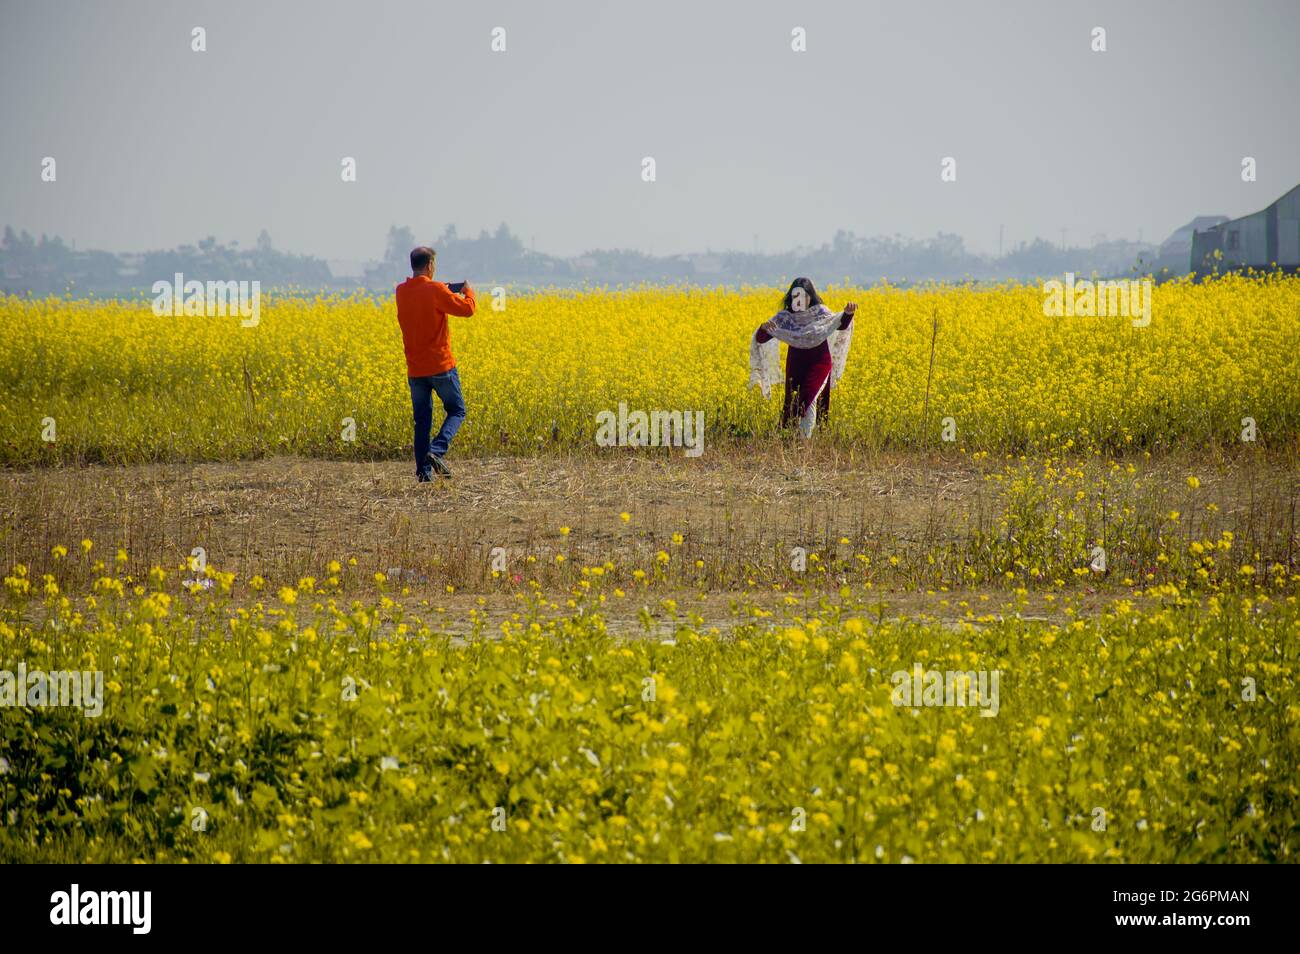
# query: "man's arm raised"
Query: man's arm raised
{"points": [[448, 301]]}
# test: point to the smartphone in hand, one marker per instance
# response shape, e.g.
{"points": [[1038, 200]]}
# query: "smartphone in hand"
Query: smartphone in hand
{"points": [[457, 288]]}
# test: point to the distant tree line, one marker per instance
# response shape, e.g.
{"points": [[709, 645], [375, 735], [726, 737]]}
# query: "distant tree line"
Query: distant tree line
{"points": [[502, 257], [49, 266]]}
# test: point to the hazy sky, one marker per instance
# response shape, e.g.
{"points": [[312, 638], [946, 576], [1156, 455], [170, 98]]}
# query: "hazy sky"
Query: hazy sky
{"points": [[157, 145]]}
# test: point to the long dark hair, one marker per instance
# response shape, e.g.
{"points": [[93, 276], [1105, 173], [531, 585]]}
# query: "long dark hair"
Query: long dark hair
{"points": [[814, 299]]}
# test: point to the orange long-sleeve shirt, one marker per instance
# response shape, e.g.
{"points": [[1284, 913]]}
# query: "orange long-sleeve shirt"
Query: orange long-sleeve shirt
{"points": [[422, 309]]}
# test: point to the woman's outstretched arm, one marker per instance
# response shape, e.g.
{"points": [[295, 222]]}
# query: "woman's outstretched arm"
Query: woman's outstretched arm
{"points": [[849, 310], [761, 335]]}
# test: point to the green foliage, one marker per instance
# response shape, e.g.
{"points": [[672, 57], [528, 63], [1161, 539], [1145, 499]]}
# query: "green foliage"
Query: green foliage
{"points": [[300, 730]]}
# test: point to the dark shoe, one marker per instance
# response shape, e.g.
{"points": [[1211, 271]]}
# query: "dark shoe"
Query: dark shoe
{"points": [[439, 466], [424, 476]]}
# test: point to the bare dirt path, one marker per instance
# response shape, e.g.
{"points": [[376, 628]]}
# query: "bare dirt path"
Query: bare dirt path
{"points": [[289, 517]]}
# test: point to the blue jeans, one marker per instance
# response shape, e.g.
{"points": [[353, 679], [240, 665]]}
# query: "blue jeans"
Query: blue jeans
{"points": [[447, 387]]}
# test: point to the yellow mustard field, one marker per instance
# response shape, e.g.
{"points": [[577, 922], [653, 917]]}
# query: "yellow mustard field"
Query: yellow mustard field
{"points": [[303, 728], [375, 706], [987, 368]]}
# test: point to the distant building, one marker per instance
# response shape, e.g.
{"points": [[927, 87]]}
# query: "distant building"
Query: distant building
{"points": [[707, 264], [347, 267], [129, 264], [1269, 238], [1175, 253]]}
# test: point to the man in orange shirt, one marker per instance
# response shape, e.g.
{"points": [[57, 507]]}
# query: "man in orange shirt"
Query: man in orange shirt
{"points": [[422, 309]]}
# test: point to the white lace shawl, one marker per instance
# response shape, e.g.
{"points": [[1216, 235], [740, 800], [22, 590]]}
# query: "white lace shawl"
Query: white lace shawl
{"points": [[798, 329]]}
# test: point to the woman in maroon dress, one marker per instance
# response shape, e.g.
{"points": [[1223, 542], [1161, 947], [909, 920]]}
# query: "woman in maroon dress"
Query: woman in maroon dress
{"points": [[805, 324]]}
